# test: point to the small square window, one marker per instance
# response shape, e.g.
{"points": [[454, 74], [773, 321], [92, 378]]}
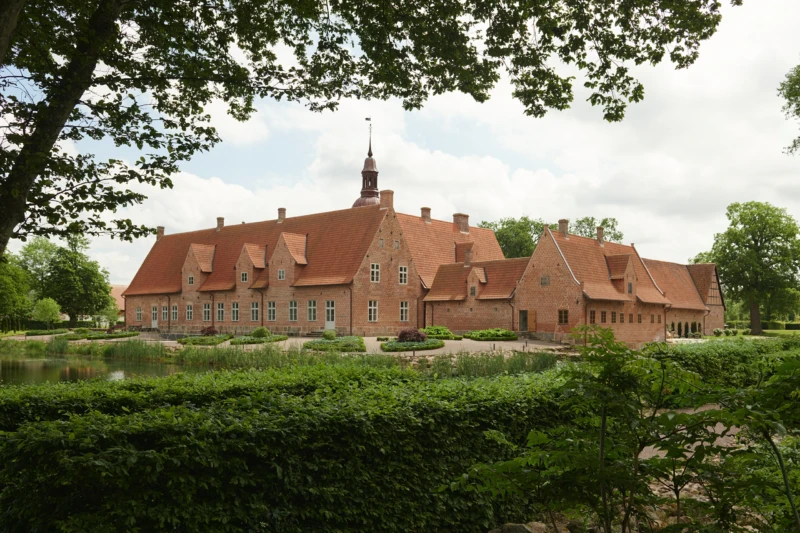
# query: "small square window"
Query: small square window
{"points": [[602, 317], [244, 277], [544, 281], [563, 316], [592, 316], [281, 274], [191, 280]]}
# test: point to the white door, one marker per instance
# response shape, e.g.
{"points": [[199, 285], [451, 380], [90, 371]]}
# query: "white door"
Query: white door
{"points": [[330, 314], [155, 317]]}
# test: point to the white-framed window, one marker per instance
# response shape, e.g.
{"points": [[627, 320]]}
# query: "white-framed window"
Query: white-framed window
{"points": [[220, 311], [293, 311], [312, 310], [375, 272], [235, 312], [138, 314], [244, 277], [164, 313], [403, 311], [174, 313], [403, 275], [189, 312], [206, 312], [330, 311], [281, 274], [155, 313], [372, 311], [254, 311], [271, 311], [191, 280]]}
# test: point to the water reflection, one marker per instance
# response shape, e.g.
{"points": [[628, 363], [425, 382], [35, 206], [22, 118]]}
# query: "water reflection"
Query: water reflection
{"points": [[15, 370]]}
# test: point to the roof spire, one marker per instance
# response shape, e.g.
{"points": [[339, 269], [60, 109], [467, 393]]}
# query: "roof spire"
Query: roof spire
{"points": [[369, 177], [369, 153]]}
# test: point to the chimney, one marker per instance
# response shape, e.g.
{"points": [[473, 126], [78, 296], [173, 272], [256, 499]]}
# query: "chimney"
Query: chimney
{"points": [[467, 258], [159, 233], [600, 235], [426, 214], [563, 227], [462, 221], [387, 199], [220, 223], [281, 214]]}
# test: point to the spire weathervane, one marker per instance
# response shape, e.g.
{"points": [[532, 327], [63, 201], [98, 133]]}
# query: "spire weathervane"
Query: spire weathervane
{"points": [[369, 119]]}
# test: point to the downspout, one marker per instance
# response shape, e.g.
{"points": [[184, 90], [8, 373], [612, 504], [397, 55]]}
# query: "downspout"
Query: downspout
{"points": [[350, 288], [169, 313], [213, 311], [665, 320], [263, 310]]}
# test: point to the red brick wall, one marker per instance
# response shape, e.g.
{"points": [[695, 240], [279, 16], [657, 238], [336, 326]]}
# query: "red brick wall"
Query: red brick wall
{"points": [[651, 329], [715, 319], [470, 314], [685, 316]]}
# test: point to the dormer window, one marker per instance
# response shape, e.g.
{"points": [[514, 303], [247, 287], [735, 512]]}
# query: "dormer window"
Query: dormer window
{"points": [[281, 274], [472, 291], [244, 277], [630, 287], [191, 280]]}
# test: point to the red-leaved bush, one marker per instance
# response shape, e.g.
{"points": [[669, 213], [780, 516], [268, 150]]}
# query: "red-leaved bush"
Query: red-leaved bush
{"points": [[411, 335], [209, 331]]}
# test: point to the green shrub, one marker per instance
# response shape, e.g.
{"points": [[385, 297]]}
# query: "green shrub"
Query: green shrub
{"points": [[734, 332], [772, 324], [718, 332], [83, 331], [339, 344], [205, 340], [746, 331], [367, 458], [794, 326], [397, 346], [260, 333], [40, 332], [252, 339], [120, 335], [382, 339], [329, 334], [438, 332], [57, 346], [496, 334]]}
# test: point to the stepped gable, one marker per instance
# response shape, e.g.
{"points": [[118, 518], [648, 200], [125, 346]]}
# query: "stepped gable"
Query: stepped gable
{"points": [[498, 280], [337, 243], [586, 259], [676, 282], [433, 243]]}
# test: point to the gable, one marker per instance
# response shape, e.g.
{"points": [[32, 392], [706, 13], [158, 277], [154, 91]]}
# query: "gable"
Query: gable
{"points": [[497, 280], [677, 284]]}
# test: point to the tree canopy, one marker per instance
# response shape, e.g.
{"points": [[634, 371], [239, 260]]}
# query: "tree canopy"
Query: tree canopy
{"points": [[36, 257], [140, 74], [14, 301], [758, 255], [46, 310], [519, 237], [789, 90]]}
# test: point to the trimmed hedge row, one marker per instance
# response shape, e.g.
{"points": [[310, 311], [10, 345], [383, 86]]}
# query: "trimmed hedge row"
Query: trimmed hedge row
{"points": [[258, 340], [40, 332], [95, 336], [495, 334], [339, 344], [395, 346], [380, 453], [204, 340]]}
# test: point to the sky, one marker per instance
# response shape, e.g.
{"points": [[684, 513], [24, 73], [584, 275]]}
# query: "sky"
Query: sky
{"points": [[703, 138]]}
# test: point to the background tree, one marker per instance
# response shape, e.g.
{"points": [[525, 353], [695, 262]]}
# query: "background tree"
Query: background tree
{"points": [[14, 302], [36, 257], [46, 310], [789, 90], [519, 237], [78, 284], [140, 74], [757, 255], [702, 257]]}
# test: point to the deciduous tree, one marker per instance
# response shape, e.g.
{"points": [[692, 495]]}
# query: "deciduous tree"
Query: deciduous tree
{"points": [[758, 255], [140, 74], [14, 301], [46, 310], [78, 284], [789, 90], [36, 257]]}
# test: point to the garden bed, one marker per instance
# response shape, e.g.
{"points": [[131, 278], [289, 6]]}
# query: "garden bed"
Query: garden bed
{"points": [[40, 332], [206, 340], [257, 340], [395, 346], [339, 344], [495, 334]]}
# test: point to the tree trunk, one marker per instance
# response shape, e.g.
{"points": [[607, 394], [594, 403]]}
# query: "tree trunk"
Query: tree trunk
{"points": [[9, 15], [755, 318], [62, 99]]}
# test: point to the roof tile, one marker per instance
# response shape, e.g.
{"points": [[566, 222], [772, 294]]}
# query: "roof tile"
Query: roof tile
{"points": [[450, 282]]}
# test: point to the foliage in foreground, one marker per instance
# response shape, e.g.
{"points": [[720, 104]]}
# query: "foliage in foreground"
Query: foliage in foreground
{"points": [[348, 344], [302, 449]]}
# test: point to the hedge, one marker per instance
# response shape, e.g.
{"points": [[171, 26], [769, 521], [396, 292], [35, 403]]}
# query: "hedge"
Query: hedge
{"points": [[794, 326], [395, 346], [496, 334], [204, 340], [368, 458], [339, 344], [773, 324], [95, 336], [258, 340], [40, 332]]}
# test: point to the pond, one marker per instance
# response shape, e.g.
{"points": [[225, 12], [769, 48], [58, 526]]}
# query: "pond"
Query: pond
{"points": [[16, 370]]}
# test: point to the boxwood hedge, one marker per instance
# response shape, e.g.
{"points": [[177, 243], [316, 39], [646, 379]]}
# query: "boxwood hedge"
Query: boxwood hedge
{"points": [[395, 346], [366, 458], [495, 334], [258, 340], [338, 344], [40, 332]]}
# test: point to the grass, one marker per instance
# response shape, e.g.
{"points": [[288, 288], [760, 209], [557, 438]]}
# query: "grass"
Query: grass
{"points": [[486, 364], [23, 348], [11, 333], [780, 332], [40, 332]]}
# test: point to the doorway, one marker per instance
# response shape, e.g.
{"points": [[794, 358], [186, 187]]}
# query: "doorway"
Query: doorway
{"points": [[330, 314], [523, 320]]}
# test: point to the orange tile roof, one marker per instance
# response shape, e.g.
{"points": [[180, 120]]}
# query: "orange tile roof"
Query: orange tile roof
{"points": [[337, 243], [588, 262], [297, 247], [116, 293], [433, 244], [257, 254], [702, 274], [450, 282], [261, 280], [677, 284], [204, 253], [461, 248], [617, 265]]}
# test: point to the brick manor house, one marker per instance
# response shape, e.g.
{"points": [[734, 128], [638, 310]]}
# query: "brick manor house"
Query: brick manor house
{"points": [[369, 270]]}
